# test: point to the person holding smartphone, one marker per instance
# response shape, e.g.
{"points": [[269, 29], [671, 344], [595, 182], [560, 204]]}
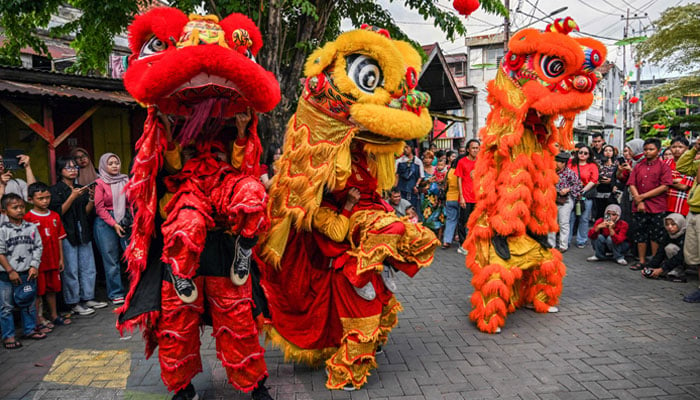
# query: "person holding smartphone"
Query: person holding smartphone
{"points": [[10, 184], [74, 203], [609, 234]]}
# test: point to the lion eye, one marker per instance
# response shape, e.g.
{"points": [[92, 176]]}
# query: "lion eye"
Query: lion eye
{"points": [[552, 66], [250, 55], [364, 72], [152, 46]]}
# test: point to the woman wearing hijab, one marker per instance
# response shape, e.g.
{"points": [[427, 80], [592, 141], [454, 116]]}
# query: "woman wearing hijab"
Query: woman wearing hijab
{"points": [[668, 260], [87, 173], [609, 234], [632, 153], [112, 222]]}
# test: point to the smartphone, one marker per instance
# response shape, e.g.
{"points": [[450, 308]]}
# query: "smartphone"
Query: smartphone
{"points": [[92, 184], [621, 160], [11, 160], [607, 217]]}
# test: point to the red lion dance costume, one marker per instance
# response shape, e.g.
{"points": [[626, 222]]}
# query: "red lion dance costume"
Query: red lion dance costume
{"points": [[544, 76], [334, 243], [197, 217]]}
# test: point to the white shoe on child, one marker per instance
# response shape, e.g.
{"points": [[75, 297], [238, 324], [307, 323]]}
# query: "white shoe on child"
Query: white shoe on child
{"points": [[80, 310]]}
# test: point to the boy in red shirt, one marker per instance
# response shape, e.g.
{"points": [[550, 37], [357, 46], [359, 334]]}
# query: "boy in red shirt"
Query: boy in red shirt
{"points": [[51, 231]]}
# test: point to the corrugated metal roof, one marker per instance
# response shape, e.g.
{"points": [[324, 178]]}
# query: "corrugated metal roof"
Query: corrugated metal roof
{"points": [[39, 89]]}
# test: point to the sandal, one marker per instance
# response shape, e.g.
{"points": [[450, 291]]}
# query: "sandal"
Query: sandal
{"points": [[61, 321], [36, 335], [637, 266], [47, 323], [12, 345], [43, 328]]}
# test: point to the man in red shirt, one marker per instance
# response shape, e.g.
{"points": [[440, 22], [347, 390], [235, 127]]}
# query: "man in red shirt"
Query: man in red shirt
{"points": [[648, 183], [467, 198]]}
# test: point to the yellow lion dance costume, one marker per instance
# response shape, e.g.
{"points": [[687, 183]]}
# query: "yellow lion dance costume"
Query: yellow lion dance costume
{"points": [[545, 76], [328, 263]]}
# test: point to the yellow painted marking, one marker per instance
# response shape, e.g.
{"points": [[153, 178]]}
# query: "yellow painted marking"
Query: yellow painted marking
{"points": [[92, 368]]}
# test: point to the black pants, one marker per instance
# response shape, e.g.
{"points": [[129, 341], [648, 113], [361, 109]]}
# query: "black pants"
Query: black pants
{"points": [[464, 213]]}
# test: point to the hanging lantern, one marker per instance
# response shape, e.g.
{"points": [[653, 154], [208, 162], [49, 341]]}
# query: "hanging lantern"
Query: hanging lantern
{"points": [[634, 100], [687, 133], [662, 99], [466, 7]]}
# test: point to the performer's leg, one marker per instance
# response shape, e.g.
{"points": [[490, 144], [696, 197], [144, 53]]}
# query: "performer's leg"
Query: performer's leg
{"points": [[351, 363], [545, 285], [237, 344], [493, 285], [178, 338]]}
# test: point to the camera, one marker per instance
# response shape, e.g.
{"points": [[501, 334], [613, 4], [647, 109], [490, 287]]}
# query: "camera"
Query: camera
{"points": [[647, 272]]}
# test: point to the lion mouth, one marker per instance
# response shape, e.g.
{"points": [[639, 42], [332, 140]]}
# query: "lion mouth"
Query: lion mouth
{"points": [[204, 86], [371, 137]]}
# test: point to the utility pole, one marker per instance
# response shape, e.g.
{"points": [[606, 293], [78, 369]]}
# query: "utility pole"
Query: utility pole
{"points": [[624, 75], [506, 27], [636, 108]]}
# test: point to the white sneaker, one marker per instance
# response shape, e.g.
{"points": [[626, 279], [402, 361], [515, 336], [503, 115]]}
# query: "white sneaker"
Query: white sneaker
{"points": [[117, 301], [621, 261], [498, 330], [461, 251], [366, 292], [389, 278], [96, 304], [593, 258], [552, 310], [80, 310]]}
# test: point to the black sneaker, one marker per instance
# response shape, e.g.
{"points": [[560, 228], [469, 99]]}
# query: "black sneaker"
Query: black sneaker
{"points": [[261, 393], [187, 393], [184, 288], [379, 350], [240, 268]]}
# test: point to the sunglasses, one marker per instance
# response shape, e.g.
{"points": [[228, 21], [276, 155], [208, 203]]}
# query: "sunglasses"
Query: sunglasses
{"points": [[583, 152]]}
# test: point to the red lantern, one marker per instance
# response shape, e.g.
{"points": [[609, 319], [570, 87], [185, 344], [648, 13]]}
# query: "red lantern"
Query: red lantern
{"points": [[466, 7], [687, 133], [662, 99], [657, 126], [662, 126], [634, 100]]}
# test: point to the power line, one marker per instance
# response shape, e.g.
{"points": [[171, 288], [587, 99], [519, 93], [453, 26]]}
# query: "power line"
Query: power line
{"points": [[596, 9]]}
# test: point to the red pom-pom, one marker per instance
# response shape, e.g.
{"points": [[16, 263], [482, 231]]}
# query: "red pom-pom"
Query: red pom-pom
{"points": [[634, 99], [466, 7]]}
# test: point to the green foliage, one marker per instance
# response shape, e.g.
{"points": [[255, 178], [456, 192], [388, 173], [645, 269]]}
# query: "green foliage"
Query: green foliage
{"points": [[93, 31], [676, 42], [661, 113]]}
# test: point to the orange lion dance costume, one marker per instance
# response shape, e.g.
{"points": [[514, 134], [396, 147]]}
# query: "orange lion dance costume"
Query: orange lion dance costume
{"points": [[334, 242], [544, 76], [197, 217]]}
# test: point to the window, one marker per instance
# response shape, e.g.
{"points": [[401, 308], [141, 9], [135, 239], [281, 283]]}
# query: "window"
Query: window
{"points": [[457, 69], [494, 55], [475, 57]]}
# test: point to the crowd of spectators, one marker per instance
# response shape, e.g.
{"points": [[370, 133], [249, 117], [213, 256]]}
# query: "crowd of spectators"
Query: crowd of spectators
{"points": [[638, 205], [642, 204], [46, 253]]}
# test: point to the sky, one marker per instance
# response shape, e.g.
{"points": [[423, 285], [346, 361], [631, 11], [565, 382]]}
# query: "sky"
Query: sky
{"points": [[597, 17]]}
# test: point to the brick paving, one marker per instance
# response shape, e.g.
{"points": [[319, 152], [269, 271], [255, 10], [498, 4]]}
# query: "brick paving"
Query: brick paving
{"points": [[617, 336]]}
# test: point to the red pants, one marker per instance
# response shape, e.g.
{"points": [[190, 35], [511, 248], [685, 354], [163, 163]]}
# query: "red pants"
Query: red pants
{"points": [[236, 334]]}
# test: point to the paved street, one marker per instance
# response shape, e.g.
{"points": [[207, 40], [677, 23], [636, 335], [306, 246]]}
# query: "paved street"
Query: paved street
{"points": [[618, 336]]}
